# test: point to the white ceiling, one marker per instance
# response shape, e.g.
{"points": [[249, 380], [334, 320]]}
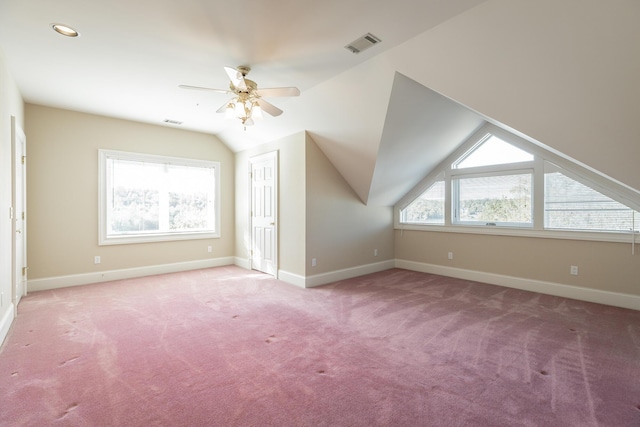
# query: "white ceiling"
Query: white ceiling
{"points": [[132, 55]]}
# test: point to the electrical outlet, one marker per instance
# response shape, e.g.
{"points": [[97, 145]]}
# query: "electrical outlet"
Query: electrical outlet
{"points": [[450, 255], [574, 270], [313, 262], [375, 252], [96, 259]]}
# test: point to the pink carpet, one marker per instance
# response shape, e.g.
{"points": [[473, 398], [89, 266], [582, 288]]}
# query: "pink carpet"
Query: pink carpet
{"points": [[228, 347]]}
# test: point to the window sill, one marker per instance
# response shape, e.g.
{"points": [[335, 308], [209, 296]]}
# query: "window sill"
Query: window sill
{"points": [[161, 237], [524, 232]]}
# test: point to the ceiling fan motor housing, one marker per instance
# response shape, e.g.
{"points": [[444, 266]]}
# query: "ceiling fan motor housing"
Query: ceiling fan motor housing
{"points": [[244, 70]]}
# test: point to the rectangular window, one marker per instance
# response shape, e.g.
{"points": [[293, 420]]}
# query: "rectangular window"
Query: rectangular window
{"points": [[493, 200], [146, 198]]}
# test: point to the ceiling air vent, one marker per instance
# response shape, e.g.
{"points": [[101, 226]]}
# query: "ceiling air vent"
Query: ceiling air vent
{"points": [[172, 122], [363, 43]]}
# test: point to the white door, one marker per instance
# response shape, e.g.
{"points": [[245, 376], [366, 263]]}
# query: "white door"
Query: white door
{"points": [[264, 199], [19, 209]]}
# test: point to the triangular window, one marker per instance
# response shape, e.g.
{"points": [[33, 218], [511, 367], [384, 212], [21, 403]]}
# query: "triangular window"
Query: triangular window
{"points": [[492, 151], [428, 208], [504, 181], [570, 204]]}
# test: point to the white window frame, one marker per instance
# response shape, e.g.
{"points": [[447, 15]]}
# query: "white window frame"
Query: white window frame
{"points": [[439, 178], [488, 171], [551, 168], [607, 186], [105, 239]]}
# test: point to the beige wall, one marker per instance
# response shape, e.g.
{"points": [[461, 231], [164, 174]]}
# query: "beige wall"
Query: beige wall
{"points": [[601, 265], [10, 105], [320, 216], [291, 207], [562, 72], [62, 197], [566, 76], [341, 231]]}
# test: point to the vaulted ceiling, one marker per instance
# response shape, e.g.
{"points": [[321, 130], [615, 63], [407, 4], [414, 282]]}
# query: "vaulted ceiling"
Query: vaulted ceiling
{"points": [[130, 58], [523, 63]]}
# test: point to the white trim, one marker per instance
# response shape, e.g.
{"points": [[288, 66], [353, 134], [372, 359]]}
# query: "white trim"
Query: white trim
{"points": [[6, 321], [291, 278], [242, 262], [557, 289], [608, 186], [18, 282], [104, 239], [275, 157], [334, 276], [596, 236], [128, 273]]}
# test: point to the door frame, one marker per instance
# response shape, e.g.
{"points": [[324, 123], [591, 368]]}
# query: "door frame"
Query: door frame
{"points": [[18, 147], [256, 159]]}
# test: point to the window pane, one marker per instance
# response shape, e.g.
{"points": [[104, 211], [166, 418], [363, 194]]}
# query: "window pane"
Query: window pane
{"points": [[190, 198], [493, 151], [569, 204], [428, 208], [495, 199], [134, 205], [146, 197]]}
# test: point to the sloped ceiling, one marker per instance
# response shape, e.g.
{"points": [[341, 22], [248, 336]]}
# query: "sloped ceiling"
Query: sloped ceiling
{"points": [[420, 130], [131, 56], [563, 74], [515, 65]]}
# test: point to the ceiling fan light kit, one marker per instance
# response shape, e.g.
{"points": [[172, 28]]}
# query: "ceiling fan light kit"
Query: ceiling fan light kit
{"points": [[245, 111], [247, 104]]}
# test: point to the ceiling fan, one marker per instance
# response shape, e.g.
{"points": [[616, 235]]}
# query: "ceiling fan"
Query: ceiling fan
{"points": [[247, 103]]}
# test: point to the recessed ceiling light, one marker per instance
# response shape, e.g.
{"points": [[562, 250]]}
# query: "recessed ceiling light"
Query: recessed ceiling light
{"points": [[65, 30]]}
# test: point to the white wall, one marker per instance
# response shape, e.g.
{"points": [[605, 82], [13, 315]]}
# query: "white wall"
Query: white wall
{"points": [[10, 105]]}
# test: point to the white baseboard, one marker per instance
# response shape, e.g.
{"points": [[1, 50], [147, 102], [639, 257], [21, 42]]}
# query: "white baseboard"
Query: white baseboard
{"points": [[291, 278], [550, 288], [35, 285], [334, 276], [242, 263], [557, 289], [6, 321]]}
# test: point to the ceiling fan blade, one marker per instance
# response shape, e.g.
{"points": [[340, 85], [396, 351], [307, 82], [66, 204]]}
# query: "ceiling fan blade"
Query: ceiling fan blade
{"points": [[279, 91], [204, 88], [236, 77], [269, 108]]}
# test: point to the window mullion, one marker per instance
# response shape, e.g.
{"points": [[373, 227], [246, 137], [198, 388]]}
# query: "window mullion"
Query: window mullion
{"points": [[537, 198], [136, 192], [448, 197], [163, 196]]}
